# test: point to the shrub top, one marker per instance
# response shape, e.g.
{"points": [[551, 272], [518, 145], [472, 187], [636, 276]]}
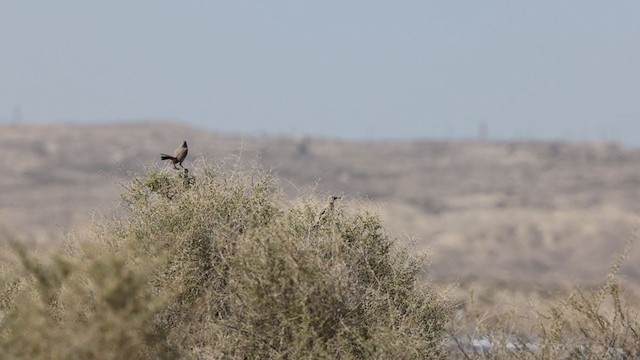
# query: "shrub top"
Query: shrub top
{"points": [[216, 264]]}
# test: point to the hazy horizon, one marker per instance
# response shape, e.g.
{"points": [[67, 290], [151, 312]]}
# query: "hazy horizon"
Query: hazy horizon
{"points": [[358, 70]]}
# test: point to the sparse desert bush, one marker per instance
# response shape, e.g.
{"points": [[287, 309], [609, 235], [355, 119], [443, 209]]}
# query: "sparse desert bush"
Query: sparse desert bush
{"points": [[217, 265], [600, 323]]}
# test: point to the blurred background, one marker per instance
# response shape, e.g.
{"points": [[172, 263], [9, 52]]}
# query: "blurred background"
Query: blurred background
{"points": [[501, 137]]}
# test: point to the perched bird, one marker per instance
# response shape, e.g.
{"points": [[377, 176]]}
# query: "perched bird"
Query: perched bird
{"points": [[324, 214], [178, 155]]}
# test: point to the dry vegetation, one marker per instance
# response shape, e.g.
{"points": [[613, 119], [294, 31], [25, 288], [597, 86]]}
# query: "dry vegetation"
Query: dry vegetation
{"points": [[218, 265], [510, 215], [597, 323]]}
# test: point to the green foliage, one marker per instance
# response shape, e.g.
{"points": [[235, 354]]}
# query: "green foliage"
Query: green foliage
{"points": [[217, 265]]}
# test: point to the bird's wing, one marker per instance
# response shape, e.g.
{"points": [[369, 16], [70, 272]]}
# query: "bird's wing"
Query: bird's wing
{"points": [[180, 153]]}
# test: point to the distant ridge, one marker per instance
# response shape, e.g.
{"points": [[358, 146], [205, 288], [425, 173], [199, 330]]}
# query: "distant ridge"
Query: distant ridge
{"points": [[525, 211]]}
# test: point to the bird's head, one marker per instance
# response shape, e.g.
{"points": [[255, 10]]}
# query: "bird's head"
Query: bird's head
{"points": [[184, 143], [334, 198]]}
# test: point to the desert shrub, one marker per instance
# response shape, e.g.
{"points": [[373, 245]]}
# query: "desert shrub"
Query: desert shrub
{"points": [[217, 264], [592, 324], [597, 323]]}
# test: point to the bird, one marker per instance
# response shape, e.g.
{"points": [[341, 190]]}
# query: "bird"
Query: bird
{"points": [[178, 156], [324, 214]]}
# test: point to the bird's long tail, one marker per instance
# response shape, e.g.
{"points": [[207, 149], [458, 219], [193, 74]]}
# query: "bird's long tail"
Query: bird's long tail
{"points": [[166, 157]]}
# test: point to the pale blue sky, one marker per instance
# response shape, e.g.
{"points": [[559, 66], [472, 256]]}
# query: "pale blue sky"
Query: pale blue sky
{"points": [[357, 69]]}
